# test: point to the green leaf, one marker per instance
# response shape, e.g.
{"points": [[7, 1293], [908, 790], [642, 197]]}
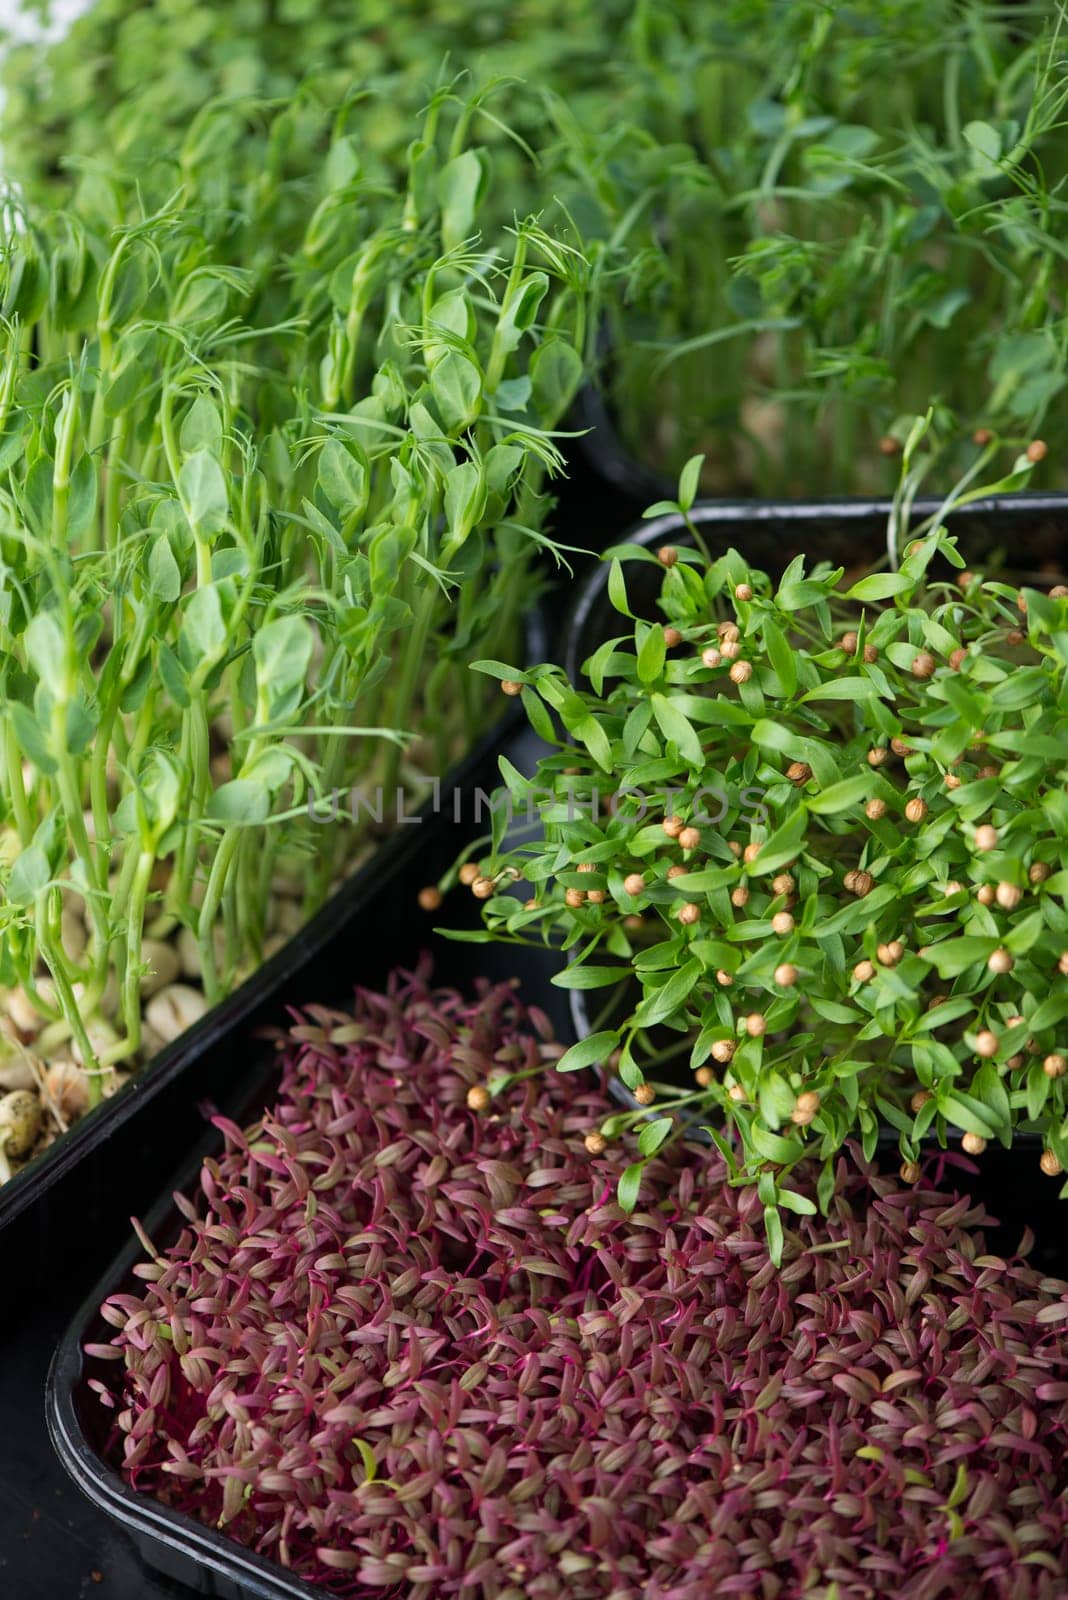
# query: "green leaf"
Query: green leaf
{"points": [[654, 1134], [675, 727], [579, 976], [967, 1113], [282, 651], [30, 876], [617, 589], [689, 480], [592, 1051], [456, 385], [840, 796], [46, 647], [850, 688], [651, 656], [954, 956], [781, 657], [630, 1184], [343, 478], [460, 186], [240, 801], [664, 1002], [203, 631], [880, 586], [164, 578], [773, 1229], [202, 489], [782, 846]]}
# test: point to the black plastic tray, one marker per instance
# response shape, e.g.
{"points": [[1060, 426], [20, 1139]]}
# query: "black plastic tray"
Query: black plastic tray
{"points": [[216, 1031], [1028, 531], [374, 925]]}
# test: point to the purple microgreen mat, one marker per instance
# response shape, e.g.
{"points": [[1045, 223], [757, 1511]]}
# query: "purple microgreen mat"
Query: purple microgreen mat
{"points": [[409, 1349]]}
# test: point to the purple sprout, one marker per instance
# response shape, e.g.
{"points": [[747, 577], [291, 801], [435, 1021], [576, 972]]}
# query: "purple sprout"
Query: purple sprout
{"points": [[409, 1350]]}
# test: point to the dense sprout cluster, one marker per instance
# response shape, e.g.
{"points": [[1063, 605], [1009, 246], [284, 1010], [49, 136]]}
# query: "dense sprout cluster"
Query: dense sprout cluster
{"points": [[813, 840], [414, 1350], [814, 221], [271, 471]]}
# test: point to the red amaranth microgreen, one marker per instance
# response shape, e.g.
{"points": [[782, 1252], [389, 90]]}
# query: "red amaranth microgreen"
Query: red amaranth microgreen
{"points": [[412, 1350]]}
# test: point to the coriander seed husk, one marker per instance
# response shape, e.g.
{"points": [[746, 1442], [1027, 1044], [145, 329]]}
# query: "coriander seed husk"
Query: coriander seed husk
{"points": [[723, 1049], [782, 923], [573, 897], [1050, 1164], [483, 888], [923, 665], [755, 1024], [468, 873], [645, 1094], [704, 1077], [672, 826], [916, 810], [1000, 961], [741, 672], [478, 1097], [864, 971], [909, 1171], [634, 883], [711, 657], [973, 1144], [786, 975], [1055, 1066], [1008, 896], [986, 837], [875, 810], [672, 637], [667, 555], [596, 1143], [688, 914], [430, 897], [690, 838], [510, 686], [986, 1043]]}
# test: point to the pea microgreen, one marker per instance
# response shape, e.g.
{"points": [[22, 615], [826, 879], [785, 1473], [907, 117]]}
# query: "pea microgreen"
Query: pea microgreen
{"points": [[271, 473]]}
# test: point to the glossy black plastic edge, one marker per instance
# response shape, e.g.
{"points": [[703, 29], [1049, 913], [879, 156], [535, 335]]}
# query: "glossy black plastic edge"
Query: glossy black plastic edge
{"points": [[29, 1185]]}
